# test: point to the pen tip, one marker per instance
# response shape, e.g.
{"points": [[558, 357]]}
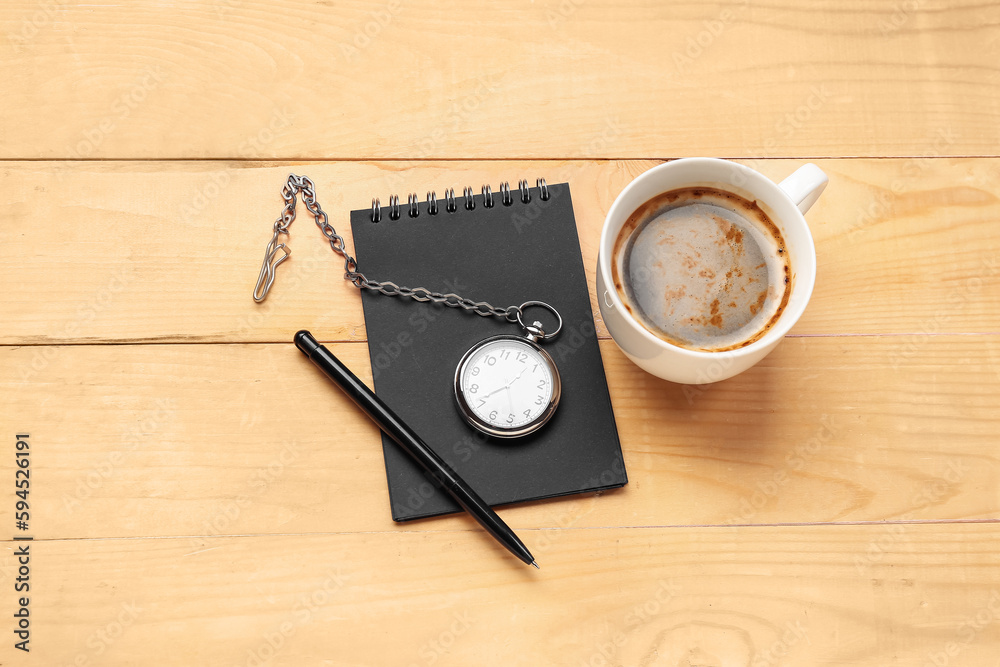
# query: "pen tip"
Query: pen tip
{"points": [[536, 565]]}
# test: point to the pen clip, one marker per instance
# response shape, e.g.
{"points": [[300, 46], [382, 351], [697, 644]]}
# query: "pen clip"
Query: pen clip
{"points": [[267, 269]]}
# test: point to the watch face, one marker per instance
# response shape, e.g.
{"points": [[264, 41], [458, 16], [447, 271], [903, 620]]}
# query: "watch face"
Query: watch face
{"points": [[507, 386]]}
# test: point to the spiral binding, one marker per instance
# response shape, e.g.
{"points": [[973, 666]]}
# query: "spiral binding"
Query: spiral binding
{"points": [[451, 204]]}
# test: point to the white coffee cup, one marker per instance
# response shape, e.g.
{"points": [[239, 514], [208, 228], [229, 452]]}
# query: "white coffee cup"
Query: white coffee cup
{"points": [[784, 203]]}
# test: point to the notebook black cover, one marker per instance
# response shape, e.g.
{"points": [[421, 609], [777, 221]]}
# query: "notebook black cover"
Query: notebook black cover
{"points": [[505, 255]]}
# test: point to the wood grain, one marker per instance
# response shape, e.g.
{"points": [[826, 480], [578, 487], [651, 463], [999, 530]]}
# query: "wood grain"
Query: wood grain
{"points": [[200, 495], [264, 79], [858, 595], [202, 440], [169, 251]]}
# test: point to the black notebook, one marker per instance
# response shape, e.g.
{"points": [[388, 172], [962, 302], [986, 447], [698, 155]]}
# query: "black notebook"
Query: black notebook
{"points": [[523, 247]]}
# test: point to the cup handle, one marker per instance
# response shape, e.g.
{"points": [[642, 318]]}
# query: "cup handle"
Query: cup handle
{"points": [[805, 185]]}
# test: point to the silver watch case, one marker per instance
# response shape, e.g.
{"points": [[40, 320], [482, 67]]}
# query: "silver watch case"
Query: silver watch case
{"points": [[525, 429]]}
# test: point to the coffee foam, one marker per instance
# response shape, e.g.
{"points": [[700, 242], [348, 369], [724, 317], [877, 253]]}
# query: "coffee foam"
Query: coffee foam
{"points": [[703, 269]]}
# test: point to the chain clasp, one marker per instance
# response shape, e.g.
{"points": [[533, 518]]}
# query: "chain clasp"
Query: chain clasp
{"points": [[267, 269]]}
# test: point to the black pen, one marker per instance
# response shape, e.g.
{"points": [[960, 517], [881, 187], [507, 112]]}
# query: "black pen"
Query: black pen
{"points": [[404, 436]]}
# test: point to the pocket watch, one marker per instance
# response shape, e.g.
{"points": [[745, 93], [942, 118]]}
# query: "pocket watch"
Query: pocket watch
{"points": [[508, 386]]}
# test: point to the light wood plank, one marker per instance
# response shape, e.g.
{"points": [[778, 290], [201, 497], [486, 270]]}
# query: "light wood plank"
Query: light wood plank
{"points": [[233, 439], [858, 595], [169, 251], [224, 504], [557, 78]]}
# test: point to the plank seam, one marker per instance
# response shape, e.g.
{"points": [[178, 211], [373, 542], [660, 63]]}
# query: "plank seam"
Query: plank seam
{"points": [[365, 340], [614, 158], [793, 524]]}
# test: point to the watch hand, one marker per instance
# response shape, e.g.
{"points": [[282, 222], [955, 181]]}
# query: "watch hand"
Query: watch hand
{"points": [[506, 385], [517, 378], [495, 391]]}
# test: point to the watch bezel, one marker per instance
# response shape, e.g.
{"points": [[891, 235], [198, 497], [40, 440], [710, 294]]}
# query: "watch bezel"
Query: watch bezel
{"points": [[485, 427]]}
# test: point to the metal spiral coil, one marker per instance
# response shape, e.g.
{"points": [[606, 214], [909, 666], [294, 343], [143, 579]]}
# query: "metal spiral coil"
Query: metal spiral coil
{"points": [[451, 203], [543, 189]]}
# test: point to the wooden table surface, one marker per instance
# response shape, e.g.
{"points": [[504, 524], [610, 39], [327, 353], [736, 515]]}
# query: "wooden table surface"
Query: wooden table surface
{"points": [[200, 495]]}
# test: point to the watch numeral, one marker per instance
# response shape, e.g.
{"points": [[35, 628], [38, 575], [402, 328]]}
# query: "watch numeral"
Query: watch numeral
{"points": [[522, 357], [474, 388], [535, 368], [527, 413], [493, 415], [482, 402], [510, 418], [539, 400], [541, 385], [505, 354], [475, 371], [491, 360]]}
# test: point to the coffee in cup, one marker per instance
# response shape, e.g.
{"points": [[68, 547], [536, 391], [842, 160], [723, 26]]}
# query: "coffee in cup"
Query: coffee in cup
{"points": [[702, 268], [635, 310]]}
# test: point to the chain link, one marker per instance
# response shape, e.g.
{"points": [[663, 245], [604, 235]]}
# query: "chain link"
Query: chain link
{"points": [[303, 185]]}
